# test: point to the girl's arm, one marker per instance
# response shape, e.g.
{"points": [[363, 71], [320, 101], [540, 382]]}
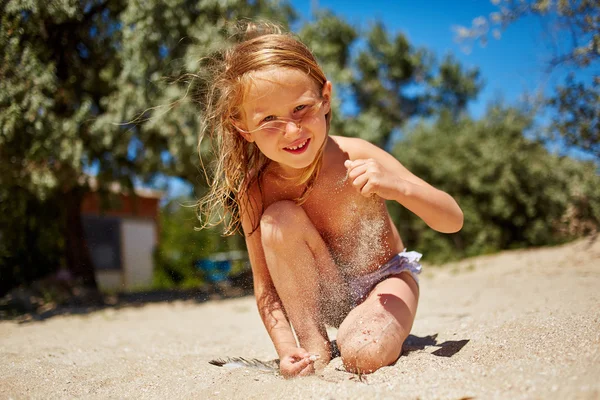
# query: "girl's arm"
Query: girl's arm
{"points": [[372, 170]]}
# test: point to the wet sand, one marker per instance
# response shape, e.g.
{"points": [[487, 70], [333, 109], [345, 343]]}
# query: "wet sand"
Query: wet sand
{"points": [[520, 324]]}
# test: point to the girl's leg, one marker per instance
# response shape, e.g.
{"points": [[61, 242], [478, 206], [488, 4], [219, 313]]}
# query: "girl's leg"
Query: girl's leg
{"points": [[302, 270], [372, 334]]}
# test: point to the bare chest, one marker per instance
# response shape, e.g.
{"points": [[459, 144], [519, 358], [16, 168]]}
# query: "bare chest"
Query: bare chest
{"points": [[357, 230]]}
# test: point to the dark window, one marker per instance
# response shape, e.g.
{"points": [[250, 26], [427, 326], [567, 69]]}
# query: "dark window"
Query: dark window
{"points": [[103, 236]]}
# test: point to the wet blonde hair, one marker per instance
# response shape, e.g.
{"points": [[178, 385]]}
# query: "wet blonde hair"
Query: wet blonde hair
{"points": [[239, 164]]}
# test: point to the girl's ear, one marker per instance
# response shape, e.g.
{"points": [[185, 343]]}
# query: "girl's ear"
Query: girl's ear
{"points": [[326, 95], [246, 135], [239, 127]]}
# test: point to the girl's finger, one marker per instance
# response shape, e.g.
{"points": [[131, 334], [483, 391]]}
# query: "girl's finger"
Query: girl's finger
{"points": [[360, 182], [351, 164], [299, 366], [298, 358], [309, 369], [356, 171], [300, 355], [368, 189]]}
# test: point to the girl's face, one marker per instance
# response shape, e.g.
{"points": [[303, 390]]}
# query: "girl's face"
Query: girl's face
{"points": [[284, 114]]}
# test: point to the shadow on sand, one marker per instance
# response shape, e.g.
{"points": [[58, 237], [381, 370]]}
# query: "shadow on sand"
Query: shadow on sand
{"points": [[446, 349]]}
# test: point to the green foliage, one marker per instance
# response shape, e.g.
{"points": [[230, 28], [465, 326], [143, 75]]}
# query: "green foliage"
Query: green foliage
{"points": [[158, 77], [330, 39], [578, 119], [86, 84], [454, 87], [40, 113], [513, 192], [386, 68]]}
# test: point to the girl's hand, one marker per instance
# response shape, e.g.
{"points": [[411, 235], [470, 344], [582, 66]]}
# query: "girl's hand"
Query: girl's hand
{"points": [[369, 177], [296, 362]]}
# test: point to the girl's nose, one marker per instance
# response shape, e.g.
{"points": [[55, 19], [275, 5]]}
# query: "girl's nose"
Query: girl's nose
{"points": [[292, 127]]}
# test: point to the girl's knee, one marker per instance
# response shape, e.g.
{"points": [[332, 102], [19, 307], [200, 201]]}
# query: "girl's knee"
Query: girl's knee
{"points": [[369, 344], [281, 211], [280, 222], [367, 354]]}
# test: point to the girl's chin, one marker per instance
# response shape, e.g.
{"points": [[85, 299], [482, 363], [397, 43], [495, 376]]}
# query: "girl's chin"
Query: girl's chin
{"points": [[293, 169]]}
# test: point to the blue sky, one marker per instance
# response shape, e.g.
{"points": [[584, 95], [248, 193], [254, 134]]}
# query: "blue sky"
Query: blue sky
{"points": [[511, 66]]}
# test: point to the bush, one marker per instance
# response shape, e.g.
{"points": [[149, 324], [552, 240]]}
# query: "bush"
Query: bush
{"points": [[512, 190]]}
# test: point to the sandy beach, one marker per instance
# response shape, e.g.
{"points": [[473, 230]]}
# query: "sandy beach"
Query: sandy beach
{"points": [[519, 324]]}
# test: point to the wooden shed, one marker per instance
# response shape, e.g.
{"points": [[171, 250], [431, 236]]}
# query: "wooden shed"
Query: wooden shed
{"points": [[122, 239]]}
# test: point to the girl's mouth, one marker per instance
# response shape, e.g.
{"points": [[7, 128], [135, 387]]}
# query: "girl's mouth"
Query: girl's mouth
{"points": [[298, 148]]}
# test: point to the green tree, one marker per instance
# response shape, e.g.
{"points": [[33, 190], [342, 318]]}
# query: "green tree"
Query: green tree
{"points": [[396, 81], [574, 35], [74, 75], [578, 114]]}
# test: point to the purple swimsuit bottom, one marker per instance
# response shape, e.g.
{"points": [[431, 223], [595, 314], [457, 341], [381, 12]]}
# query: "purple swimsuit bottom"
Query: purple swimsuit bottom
{"points": [[407, 261]]}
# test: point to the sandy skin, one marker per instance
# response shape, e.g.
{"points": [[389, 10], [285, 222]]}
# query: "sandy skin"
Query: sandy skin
{"points": [[522, 324]]}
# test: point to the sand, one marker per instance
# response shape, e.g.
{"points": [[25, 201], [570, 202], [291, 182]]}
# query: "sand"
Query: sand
{"points": [[520, 324]]}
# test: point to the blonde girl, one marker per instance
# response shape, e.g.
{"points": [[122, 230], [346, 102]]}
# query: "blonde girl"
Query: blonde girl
{"points": [[322, 246]]}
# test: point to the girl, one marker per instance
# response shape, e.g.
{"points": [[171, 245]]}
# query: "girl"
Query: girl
{"points": [[322, 246]]}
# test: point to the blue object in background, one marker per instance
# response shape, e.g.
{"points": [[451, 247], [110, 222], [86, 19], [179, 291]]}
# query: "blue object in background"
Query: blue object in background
{"points": [[214, 271]]}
